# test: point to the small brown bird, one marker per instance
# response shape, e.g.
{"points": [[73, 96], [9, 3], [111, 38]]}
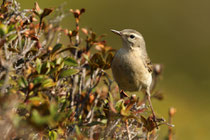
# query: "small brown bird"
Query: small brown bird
{"points": [[131, 66]]}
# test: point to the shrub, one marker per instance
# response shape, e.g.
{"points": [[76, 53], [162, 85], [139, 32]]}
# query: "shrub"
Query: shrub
{"points": [[55, 90]]}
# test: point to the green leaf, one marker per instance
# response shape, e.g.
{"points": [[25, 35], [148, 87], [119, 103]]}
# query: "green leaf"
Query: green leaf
{"points": [[46, 67], [36, 101], [95, 123], [11, 28], [119, 105], [109, 59], [53, 135], [47, 83], [70, 62], [38, 119], [52, 64], [23, 82], [67, 73], [66, 49], [3, 30], [97, 61], [125, 112], [11, 38], [59, 67], [44, 80], [38, 65], [56, 48], [39, 79], [59, 61], [77, 130]]}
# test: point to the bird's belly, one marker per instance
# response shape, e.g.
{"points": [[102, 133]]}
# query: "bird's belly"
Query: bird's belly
{"points": [[130, 75]]}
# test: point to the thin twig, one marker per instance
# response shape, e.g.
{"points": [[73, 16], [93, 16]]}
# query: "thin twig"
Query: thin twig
{"points": [[127, 129], [108, 130], [7, 66], [91, 113], [79, 109]]}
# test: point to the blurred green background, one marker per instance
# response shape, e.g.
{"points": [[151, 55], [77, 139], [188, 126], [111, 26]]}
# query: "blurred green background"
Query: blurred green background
{"points": [[177, 34]]}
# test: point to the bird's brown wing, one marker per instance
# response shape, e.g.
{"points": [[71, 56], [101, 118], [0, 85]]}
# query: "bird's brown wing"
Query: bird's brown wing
{"points": [[148, 64]]}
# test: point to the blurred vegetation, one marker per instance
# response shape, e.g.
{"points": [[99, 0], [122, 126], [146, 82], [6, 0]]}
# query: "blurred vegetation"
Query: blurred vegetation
{"points": [[55, 90]]}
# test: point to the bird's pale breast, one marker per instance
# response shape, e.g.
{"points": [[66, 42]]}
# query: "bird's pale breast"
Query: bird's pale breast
{"points": [[129, 70]]}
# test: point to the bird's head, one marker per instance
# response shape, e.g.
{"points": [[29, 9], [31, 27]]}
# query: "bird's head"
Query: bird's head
{"points": [[131, 38]]}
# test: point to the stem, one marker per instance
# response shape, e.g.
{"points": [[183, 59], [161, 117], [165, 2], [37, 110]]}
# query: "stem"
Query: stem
{"points": [[127, 129]]}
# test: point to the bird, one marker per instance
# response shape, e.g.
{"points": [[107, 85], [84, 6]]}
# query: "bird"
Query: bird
{"points": [[131, 65]]}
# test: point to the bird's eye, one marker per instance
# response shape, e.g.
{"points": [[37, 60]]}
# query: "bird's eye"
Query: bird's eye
{"points": [[132, 36]]}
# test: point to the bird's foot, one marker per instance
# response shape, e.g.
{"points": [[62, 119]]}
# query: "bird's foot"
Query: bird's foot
{"points": [[157, 121]]}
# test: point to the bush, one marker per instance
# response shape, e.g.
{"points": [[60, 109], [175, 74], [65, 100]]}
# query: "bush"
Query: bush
{"points": [[53, 90]]}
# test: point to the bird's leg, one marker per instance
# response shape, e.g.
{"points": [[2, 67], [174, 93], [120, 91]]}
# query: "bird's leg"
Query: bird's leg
{"points": [[151, 107]]}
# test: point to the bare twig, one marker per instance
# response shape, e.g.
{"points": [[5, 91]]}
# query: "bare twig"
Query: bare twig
{"points": [[91, 112], [109, 129], [79, 109], [7, 65], [127, 129]]}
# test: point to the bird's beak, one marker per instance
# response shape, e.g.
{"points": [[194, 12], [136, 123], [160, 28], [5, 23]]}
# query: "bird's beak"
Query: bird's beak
{"points": [[116, 32]]}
